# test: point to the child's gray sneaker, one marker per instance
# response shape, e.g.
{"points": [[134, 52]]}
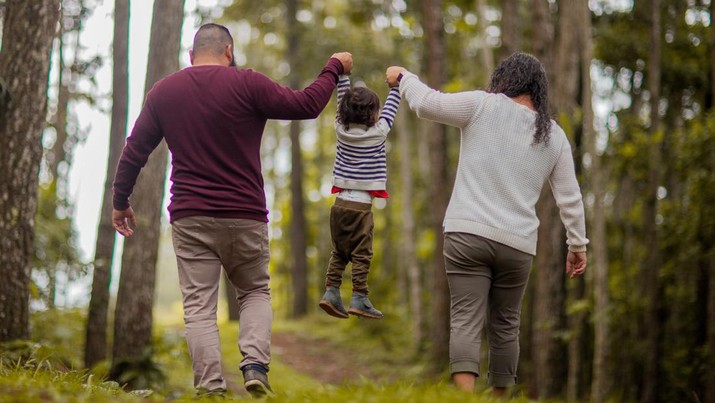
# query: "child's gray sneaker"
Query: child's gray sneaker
{"points": [[332, 303], [360, 305], [255, 379]]}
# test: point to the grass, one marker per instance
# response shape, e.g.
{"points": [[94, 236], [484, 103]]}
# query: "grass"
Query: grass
{"points": [[36, 372]]}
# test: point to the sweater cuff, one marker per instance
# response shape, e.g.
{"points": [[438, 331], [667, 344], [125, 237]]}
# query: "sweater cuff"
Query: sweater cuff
{"points": [[405, 76], [120, 203], [577, 248]]}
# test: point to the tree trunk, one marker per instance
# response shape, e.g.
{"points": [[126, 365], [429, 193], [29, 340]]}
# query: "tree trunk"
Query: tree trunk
{"points": [[60, 118], [548, 295], [435, 54], [487, 54], [710, 380], [575, 322], [542, 45], [548, 358], [133, 314], [408, 260], [651, 263], [96, 332], [297, 224], [510, 35], [28, 32], [712, 55], [599, 242]]}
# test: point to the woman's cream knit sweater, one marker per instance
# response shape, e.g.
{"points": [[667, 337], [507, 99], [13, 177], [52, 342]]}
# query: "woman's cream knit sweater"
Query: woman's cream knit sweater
{"points": [[501, 173]]}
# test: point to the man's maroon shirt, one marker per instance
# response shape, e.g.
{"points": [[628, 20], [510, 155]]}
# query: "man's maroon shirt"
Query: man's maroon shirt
{"points": [[212, 118]]}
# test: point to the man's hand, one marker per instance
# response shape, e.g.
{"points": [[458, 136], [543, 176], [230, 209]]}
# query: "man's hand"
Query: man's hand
{"points": [[121, 220], [575, 264], [391, 75], [346, 58]]}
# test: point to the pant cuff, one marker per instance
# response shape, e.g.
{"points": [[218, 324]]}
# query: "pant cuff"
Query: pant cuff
{"points": [[501, 380], [464, 366]]}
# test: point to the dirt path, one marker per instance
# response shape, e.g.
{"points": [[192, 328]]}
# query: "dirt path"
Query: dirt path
{"points": [[319, 359]]}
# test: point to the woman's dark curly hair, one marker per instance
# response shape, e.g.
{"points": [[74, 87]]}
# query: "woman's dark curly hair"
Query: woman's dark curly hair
{"points": [[358, 106], [520, 74]]}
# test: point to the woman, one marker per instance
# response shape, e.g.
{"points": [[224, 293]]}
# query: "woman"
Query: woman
{"points": [[509, 149]]}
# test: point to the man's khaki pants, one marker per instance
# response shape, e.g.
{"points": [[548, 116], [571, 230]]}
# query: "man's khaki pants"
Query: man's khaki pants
{"points": [[202, 246]]}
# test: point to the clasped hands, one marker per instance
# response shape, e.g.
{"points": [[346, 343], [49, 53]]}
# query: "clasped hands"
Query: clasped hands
{"points": [[391, 75]]}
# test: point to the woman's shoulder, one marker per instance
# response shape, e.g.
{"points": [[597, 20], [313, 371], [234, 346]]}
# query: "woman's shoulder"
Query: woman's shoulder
{"points": [[558, 136]]}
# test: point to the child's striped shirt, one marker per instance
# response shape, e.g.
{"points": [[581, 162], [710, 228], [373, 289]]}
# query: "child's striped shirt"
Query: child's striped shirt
{"points": [[361, 161]]}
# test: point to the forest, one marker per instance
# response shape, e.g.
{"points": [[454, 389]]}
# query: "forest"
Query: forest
{"points": [[631, 82]]}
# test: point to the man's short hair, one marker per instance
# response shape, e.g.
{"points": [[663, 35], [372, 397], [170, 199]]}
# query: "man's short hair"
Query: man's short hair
{"points": [[211, 39]]}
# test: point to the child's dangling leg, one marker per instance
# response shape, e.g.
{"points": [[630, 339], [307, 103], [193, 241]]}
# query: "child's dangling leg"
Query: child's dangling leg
{"points": [[361, 257]]}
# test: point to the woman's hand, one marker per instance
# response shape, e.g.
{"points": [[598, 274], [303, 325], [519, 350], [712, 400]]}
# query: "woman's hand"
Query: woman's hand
{"points": [[391, 75], [575, 263]]}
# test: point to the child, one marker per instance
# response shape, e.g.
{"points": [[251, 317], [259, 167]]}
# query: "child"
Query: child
{"points": [[359, 175]]}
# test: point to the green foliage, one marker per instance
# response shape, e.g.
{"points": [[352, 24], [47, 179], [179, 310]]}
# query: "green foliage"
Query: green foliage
{"points": [[32, 372], [686, 226], [139, 373], [63, 329], [55, 248], [45, 384]]}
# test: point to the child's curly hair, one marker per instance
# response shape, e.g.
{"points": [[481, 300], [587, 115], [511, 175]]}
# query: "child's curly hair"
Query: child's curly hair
{"points": [[359, 105]]}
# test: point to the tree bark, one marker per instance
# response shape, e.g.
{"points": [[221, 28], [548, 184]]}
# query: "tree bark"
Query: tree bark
{"points": [[28, 32], [297, 224], [510, 35], [487, 54], [408, 260], [133, 314], [96, 332], [435, 54], [60, 120], [712, 54], [542, 45], [549, 262], [651, 263], [600, 383], [548, 295], [710, 381]]}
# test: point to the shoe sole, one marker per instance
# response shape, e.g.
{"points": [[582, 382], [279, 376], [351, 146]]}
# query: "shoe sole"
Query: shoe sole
{"points": [[257, 389], [364, 314], [331, 310]]}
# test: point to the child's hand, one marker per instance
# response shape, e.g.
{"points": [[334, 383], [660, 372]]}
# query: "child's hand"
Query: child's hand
{"points": [[391, 75], [346, 58]]}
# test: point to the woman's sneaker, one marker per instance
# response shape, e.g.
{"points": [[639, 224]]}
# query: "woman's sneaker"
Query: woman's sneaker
{"points": [[360, 305], [332, 303], [255, 379]]}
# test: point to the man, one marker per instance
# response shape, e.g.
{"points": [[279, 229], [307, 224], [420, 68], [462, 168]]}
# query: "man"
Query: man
{"points": [[212, 117]]}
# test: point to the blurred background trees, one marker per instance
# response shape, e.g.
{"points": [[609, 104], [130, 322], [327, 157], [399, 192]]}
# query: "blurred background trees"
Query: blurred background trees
{"points": [[632, 84]]}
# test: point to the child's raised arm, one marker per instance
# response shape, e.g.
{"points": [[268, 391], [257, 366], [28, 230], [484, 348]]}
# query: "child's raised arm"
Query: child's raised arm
{"points": [[390, 109], [343, 87]]}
